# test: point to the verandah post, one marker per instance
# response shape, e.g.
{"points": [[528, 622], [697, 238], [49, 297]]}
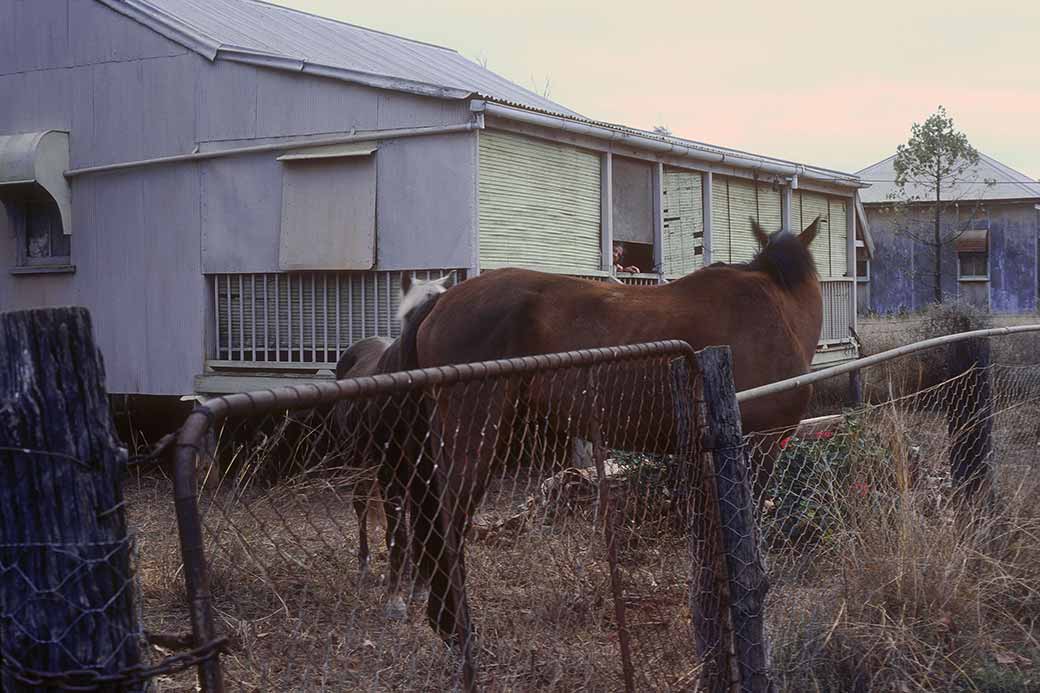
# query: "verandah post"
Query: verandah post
{"points": [[67, 598]]}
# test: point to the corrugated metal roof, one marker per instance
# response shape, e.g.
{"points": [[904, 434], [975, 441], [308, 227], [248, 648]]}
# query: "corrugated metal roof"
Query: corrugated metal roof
{"points": [[258, 32], [1007, 183], [254, 31]]}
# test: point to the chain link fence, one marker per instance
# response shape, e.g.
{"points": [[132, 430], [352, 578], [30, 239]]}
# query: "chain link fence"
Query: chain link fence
{"points": [[549, 523]]}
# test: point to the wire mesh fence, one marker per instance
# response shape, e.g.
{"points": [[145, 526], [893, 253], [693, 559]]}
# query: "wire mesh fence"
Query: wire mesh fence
{"points": [[544, 527], [881, 574]]}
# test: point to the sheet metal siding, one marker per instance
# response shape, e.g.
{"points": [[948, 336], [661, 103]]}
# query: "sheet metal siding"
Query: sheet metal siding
{"points": [[137, 241], [1013, 261], [683, 202], [137, 270], [539, 204], [33, 35], [425, 197], [901, 271]]}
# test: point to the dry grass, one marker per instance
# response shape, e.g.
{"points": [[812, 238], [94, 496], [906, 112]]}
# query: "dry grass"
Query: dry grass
{"points": [[894, 591], [905, 594], [288, 591]]}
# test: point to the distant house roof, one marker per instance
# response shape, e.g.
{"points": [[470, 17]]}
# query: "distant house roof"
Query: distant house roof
{"points": [[257, 32], [1007, 183]]}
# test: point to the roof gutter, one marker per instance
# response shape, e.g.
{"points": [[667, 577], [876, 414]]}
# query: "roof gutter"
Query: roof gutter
{"points": [[369, 136], [654, 144], [261, 59]]}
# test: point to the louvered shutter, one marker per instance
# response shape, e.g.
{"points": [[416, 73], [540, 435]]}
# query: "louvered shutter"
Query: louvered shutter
{"points": [[743, 206], [813, 204], [539, 204], [683, 212], [770, 210], [839, 233], [720, 219]]}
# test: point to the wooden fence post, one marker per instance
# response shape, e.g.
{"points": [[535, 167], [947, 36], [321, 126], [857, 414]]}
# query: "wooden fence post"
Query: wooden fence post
{"points": [[744, 565], [67, 597], [694, 494], [970, 421]]}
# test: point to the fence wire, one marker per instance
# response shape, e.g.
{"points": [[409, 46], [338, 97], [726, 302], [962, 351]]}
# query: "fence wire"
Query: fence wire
{"points": [[880, 578], [576, 488]]}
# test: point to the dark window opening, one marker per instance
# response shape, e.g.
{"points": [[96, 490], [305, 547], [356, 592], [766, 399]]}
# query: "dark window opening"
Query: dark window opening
{"points": [[973, 265], [629, 256], [36, 221]]}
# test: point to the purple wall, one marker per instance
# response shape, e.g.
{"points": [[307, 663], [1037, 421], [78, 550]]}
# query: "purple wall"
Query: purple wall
{"points": [[902, 274]]}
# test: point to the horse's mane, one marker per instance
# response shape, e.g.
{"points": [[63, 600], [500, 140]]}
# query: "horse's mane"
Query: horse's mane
{"points": [[784, 258]]}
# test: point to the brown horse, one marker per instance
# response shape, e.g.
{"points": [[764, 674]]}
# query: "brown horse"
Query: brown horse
{"points": [[769, 311], [383, 442]]}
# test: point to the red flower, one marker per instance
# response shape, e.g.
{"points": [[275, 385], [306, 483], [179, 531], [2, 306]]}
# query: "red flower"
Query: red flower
{"points": [[860, 489], [785, 441], [823, 435]]}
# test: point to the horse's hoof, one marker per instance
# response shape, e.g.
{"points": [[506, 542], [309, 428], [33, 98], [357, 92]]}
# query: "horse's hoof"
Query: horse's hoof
{"points": [[395, 609]]}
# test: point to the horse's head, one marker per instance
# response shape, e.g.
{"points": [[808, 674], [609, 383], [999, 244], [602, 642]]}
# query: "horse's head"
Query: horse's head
{"points": [[415, 293], [785, 256], [765, 238]]}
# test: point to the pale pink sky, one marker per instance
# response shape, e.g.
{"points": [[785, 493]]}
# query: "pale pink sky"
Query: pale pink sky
{"points": [[835, 84]]}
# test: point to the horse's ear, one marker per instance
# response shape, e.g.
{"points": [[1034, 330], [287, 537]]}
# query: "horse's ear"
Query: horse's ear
{"points": [[760, 234], [443, 281], [406, 282], [807, 236]]}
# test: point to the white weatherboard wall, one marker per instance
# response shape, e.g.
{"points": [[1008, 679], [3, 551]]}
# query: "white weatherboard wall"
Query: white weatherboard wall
{"points": [[683, 212], [539, 204], [735, 201], [829, 249]]}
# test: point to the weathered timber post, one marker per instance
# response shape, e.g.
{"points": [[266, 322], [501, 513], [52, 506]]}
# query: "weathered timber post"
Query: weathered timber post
{"points": [[745, 566], [695, 496], [970, 421], [66, 582], [855, 388]]}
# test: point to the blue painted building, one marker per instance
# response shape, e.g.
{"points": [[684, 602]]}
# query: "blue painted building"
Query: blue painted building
{"points": [[234, 189], [992, 221]]}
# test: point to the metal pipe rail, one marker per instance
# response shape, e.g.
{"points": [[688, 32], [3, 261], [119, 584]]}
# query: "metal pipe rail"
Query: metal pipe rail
{"points": [[810, 378]]}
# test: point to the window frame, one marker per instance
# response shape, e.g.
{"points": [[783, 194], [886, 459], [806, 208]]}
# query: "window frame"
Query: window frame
{"points": [[972, 277], [19, 214]]}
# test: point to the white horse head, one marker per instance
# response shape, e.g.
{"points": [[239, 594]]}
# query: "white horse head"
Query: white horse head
{"points": [[415, 293]]}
